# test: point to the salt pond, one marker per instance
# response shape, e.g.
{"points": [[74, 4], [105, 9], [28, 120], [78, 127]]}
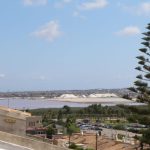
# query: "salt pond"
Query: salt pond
{"points": [[28, 103]]}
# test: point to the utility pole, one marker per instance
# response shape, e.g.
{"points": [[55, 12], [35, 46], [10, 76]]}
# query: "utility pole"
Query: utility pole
{"points": [[8, 103], [8, 100], [96, 144]]}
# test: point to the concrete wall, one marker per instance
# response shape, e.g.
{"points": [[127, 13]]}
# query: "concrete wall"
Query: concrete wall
{"points": [[13, 121], [16, 122], [33, 144], [12, 125]]}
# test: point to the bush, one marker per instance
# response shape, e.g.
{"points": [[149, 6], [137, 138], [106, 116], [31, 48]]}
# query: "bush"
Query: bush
{"points": [[146, 136], [79, 148], [73, 146], [134, 130], [119, 127], [120, 136]]}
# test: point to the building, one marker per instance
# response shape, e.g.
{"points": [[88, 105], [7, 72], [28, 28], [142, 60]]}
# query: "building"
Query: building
{"points": [[60, 129], [34, 122], [41, 132], [34, 126], [13, 121]]}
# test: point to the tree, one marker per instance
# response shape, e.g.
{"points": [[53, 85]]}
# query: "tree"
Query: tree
{"points": [[70, 120], [71, 126], [126, 96], [142, 83], [60, 115], [146, 137], [50, 132], [142, 87], [66, 109]]}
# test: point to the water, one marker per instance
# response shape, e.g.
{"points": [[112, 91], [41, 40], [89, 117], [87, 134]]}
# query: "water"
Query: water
{"points": [[37, 103], [20, 103]]}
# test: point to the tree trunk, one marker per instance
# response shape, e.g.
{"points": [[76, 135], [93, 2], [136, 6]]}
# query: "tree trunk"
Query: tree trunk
{"points": [[69, 139], [141, 146]]}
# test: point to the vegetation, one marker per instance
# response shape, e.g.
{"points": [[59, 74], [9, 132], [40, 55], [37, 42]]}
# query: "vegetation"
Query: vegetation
{"points": [[97, 113], [146, 137], [50, 132], [120, 136], [119, 127], [74, 146], [71, 126], [133, 114], [142, 84]]}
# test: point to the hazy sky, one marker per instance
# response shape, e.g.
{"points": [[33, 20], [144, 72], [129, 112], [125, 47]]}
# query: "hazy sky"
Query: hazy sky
{"points": [[70, 44]]}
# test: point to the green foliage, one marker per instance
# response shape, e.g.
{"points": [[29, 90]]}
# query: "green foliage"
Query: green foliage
{"points": [[73, 146], [144, 120], [97, 112], [60, 115], [126, 96], [79, 148], [146, 137], [142, 84], [72, 129], [120, 136], [132, 118], [140, 119], [70, 120], [66, 110], [50, 132], [119, 127], [60, 122], [71, 126]]}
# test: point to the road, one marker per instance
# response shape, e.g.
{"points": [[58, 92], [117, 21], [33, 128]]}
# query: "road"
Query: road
{"points": [[10, 146]]}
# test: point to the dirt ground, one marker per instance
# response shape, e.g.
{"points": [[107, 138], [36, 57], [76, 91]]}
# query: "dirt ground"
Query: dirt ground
{"points": [[89, 141]]}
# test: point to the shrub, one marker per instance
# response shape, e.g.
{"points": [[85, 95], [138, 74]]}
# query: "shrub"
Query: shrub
{"points": [[73, 146]]}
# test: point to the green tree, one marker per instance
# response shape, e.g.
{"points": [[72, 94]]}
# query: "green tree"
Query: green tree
{"points": [[71, 126], [60, 115], [142, 87], [146, 137], [50, 132], [66, 110], [143, 79], [70, 120]]}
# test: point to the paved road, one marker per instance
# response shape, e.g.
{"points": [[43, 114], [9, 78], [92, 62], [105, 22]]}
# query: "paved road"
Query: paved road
{"points": [[10, 146]]}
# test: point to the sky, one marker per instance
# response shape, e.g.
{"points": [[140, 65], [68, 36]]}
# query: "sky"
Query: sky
{"points": [[70, 44]]}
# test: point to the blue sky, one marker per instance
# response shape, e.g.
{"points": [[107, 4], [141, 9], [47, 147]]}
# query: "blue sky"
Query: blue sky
{"points": [[70, 44]]}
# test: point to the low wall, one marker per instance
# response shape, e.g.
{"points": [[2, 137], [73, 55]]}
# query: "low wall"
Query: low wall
{"points": [[27, 142]]}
